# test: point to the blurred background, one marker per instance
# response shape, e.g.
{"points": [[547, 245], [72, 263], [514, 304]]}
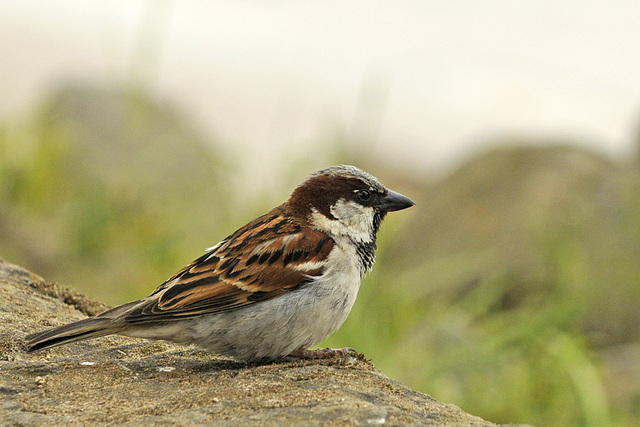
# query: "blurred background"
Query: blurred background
{"points": [[134, 134]]}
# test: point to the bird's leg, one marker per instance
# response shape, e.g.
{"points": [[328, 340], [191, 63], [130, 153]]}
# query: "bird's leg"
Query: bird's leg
{"points": [[321, 353]]}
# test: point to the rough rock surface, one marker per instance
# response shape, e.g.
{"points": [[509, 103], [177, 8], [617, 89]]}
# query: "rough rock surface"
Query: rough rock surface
{"points": [[116, 380]]}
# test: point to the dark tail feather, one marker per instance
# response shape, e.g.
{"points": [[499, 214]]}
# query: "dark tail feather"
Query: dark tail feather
{"points": [[92, 327], [107, 323]]}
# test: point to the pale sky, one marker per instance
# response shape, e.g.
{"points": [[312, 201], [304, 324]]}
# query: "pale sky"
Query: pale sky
{"points": [[423, 83]]}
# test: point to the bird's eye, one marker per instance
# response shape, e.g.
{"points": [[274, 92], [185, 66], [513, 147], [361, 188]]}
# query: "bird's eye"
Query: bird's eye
{"points": [[364, 195]]}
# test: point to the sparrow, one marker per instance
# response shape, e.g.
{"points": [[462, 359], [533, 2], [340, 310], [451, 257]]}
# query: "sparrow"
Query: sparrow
{"points": [[272, 289]]}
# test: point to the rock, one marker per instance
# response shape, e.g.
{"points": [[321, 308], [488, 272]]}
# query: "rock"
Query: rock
{"points": [[118, 380]]}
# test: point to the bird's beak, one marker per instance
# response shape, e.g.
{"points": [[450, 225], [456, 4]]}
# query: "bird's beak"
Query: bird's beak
{"points": [[393, 201]]}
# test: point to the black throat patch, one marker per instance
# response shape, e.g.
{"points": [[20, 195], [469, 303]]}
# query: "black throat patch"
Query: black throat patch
{"points": [[366, 251]]}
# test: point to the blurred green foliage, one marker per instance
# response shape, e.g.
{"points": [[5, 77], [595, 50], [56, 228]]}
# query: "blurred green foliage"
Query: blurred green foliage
{"points": [[513, 291], [510, 290]]}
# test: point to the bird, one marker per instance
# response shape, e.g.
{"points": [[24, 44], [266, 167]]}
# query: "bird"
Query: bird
{"points": [[271, 290]]}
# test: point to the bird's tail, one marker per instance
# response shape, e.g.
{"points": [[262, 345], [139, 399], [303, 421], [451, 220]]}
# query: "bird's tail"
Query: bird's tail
{"points": [[106, 323]]}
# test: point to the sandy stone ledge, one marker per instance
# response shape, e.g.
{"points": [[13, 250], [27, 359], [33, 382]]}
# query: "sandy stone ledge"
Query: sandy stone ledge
{"points": [[116, 380]]}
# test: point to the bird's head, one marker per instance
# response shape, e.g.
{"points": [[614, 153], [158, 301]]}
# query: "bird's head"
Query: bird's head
{"points": [[345, 201]]}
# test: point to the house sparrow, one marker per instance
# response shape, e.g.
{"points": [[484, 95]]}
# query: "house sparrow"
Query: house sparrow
{"points": [[275, 287]]}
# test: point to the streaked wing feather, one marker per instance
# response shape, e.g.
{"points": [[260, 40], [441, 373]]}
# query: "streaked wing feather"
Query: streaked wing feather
{"points": [[267, 258]]}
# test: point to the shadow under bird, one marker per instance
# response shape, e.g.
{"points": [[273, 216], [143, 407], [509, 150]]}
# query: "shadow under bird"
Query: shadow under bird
{"points": [[274, 288]]}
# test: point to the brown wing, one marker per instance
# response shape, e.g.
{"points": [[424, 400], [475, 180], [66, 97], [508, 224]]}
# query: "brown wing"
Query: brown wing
{"points": [[266, 258]]}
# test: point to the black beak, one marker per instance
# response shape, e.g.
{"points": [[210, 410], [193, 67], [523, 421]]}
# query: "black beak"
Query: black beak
{"points": [[393, 201]]}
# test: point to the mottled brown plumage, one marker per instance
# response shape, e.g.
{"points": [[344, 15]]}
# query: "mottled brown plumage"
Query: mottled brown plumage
{"points": [[251, 265]]}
